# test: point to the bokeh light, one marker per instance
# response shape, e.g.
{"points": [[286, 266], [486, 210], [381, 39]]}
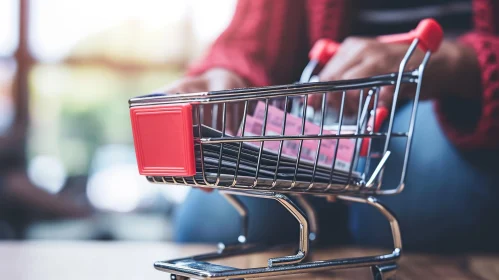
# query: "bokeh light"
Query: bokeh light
{"points": [[47, 172]]}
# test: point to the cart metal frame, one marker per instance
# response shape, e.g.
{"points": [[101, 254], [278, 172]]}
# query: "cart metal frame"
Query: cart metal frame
{"points": [[358, 189]]}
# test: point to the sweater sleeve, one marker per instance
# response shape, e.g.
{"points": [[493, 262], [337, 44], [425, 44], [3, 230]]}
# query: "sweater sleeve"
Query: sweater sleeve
{"points": [[265, 43], [475, 124]]}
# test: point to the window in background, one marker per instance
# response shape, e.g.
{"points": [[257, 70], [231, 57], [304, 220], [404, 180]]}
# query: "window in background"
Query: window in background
{"points": [[9, 18], [7, 106], [9, 39], [91, 57]]}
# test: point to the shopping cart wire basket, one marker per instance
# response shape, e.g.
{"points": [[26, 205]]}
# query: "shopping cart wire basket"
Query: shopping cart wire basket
{"points": [[185, 139]]}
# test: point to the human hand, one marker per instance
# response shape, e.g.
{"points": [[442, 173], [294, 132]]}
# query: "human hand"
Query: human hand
{"points": [[212, 80], [360, 58]]}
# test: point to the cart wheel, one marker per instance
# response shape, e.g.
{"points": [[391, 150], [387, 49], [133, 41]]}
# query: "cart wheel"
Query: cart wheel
{"points": [[384, 271], [178, 277]]}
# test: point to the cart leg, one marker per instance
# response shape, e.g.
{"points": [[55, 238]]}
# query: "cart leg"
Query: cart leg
{"points": [[311, 215], [382, 266], [394, 224], [384, 272], [243, 213], [303, 245], [304, 232]]}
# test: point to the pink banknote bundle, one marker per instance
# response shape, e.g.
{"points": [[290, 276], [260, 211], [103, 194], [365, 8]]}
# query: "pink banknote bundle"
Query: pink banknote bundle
{"points": [[275, 118]]}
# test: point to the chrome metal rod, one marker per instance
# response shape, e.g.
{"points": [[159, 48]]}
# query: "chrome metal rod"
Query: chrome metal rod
{"points": [[309, 210], [264, 129], [236, 139], [243, 214], [220, 157], [338, 133], [303, 123], [410, 133], [317, 153], [412, 122], [283, 132], [200, 131], [378, 169], [402, 66], [214, 115], [303, 246], [237, 95], [197, 267], [243, 126], [308, 71], [356, 146], [369, 148], [394, 225]]}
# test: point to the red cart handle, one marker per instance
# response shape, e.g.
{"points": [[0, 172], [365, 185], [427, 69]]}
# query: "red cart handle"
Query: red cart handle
{"points": [[429, 34]]}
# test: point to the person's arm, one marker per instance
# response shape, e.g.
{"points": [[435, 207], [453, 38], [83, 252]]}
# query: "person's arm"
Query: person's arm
{"points": [[472, 121], [264, 44]]}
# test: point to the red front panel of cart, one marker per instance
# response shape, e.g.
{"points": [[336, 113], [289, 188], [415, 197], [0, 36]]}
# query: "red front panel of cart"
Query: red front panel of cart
{"points": [[163, 139]]}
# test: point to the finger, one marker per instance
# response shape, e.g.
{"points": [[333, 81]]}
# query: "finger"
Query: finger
{"points": [[347, 57], [207, 112], [340, 103], [352, 97], [192, 86], [221, 79], [221, 84], [233, 111], [349, 54]]}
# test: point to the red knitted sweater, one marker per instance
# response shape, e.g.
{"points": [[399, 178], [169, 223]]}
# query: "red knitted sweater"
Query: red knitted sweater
{"points": [[268, 40]]}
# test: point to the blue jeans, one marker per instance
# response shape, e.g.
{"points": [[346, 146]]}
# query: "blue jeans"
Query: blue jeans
{"points": [[449, 203]]}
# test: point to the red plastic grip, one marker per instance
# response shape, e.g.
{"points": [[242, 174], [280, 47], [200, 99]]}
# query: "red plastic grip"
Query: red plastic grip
{"points": [[323, 50], [429, 32], [163, 139], [381, 115]]}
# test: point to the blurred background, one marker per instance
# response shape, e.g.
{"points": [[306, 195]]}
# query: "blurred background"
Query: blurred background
{"points": [[67, 70]]}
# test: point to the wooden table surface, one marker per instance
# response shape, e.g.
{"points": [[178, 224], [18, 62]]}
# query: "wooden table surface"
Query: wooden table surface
{"points": [[126, 261]]}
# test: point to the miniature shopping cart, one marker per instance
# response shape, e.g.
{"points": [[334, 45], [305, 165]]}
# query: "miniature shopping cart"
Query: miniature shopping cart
{"points": [[186, 139]]}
